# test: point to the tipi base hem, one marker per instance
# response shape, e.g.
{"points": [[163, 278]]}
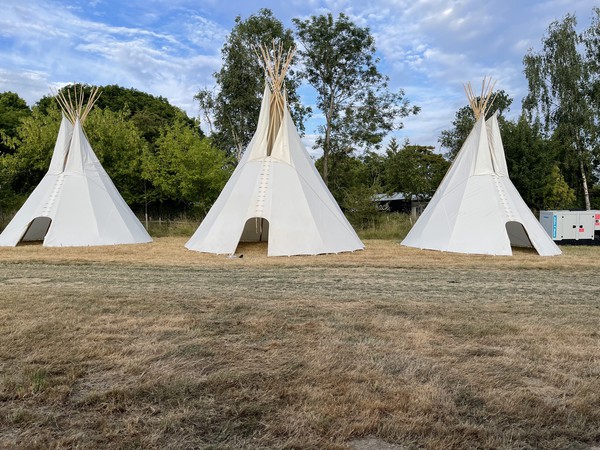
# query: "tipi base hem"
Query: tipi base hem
{"points": [[456, 251], [228, 254], [96, 245]]}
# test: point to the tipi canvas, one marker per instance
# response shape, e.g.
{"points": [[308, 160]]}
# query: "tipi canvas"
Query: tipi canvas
{"points": [[76, 203], [276, 194], [476, 209]]}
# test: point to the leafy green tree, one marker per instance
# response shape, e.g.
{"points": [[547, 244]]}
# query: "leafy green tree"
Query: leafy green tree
{"points": [[32, 149], [558, 194], [374, 167], [339, 62], [12, 110], [9, 200], [532, 165], [464, 120], [563, 80], [148, 113], [115, 140], [186, 167], [354, 182], [241, 81], [348, 171], [121, 149], [143, 167], [358, 205], [413, 170], [591, 40]]}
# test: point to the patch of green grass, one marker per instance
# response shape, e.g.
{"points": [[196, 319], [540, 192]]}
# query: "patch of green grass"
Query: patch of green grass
{"points": [[181, 227], [383, 226], [387, 226], [39, 381]]}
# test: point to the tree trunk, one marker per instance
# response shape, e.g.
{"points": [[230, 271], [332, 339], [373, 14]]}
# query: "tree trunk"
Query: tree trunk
{"points": [[238, 144], [326, 148], [210, 127], [586, 192], [146, 205], [581, 152], [326, 155]]}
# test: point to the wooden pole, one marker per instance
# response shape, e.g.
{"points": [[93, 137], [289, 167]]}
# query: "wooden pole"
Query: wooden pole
{"points": [[480, 105]]}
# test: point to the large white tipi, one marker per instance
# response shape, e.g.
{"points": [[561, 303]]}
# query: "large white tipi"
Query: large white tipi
{"points": [[276, 194], [76, 203], [476, 208]]}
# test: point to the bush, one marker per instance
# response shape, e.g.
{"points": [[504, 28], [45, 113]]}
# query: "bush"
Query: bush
{"points": [[180, 227], [386, 226]]}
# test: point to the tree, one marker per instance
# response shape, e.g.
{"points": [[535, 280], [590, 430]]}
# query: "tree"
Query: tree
{"points": [[563, 80], [413, 170], [591, 41], [558, 194], [12, 110], [208, 106], [148, 113], [186, 167], [354, 181], [533, 168], [32, 148], [114, 138], [464, 120], [121, 149], [241, 81], [339, 62]]}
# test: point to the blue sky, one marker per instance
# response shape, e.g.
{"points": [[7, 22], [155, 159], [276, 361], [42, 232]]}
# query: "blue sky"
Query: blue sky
{"points": [[172, 47]]}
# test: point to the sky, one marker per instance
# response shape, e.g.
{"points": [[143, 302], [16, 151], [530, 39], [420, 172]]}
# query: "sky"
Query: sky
{"points": [[171, 48]]}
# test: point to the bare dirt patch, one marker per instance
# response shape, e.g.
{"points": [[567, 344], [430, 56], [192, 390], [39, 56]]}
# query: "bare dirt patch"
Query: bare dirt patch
{"points": [[158, 347]]}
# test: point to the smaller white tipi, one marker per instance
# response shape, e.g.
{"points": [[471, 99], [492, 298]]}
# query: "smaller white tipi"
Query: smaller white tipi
{"points": [[76, 203], [276, 194], [476, 208]]}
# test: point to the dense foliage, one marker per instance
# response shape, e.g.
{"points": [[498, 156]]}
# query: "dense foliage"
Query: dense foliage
{"points": [[12, 109], [564, 95], [155, 154]]}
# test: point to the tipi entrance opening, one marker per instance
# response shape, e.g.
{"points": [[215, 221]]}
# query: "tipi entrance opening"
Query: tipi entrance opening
{"points": [[256, 229], [517, 235], [37, 229]]}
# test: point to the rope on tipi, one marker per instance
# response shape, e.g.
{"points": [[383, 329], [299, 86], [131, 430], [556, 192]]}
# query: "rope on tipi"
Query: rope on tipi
{"points": [[480, 105], [73, 106], [276, 62]]}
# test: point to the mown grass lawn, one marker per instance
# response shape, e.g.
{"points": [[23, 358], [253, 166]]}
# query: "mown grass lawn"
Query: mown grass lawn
{"points": [[153, 346]]}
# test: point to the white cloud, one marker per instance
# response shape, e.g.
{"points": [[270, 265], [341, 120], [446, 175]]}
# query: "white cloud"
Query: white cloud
{"points": [[30, 85], [205, 33], [62, 45]]}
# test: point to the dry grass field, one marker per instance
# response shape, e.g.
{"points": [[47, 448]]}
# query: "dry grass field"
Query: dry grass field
{"points": [[154, 346]]}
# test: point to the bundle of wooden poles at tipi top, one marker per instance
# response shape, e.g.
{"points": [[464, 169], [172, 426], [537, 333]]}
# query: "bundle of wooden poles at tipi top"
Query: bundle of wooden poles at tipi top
{"points": [[74, 106], [276, 62], [480, 105]]}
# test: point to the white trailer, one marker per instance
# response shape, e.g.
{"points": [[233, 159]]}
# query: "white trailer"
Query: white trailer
{"points": [[572, 226]]}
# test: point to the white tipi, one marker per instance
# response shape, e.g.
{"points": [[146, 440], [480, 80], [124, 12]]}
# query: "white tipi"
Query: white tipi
{"points": [[476, 208], [76, 203], [276, 194]]}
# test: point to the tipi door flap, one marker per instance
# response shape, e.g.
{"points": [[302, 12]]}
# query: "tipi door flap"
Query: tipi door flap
{"points": [[256, 229], [517, 234], [37, 229]]}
